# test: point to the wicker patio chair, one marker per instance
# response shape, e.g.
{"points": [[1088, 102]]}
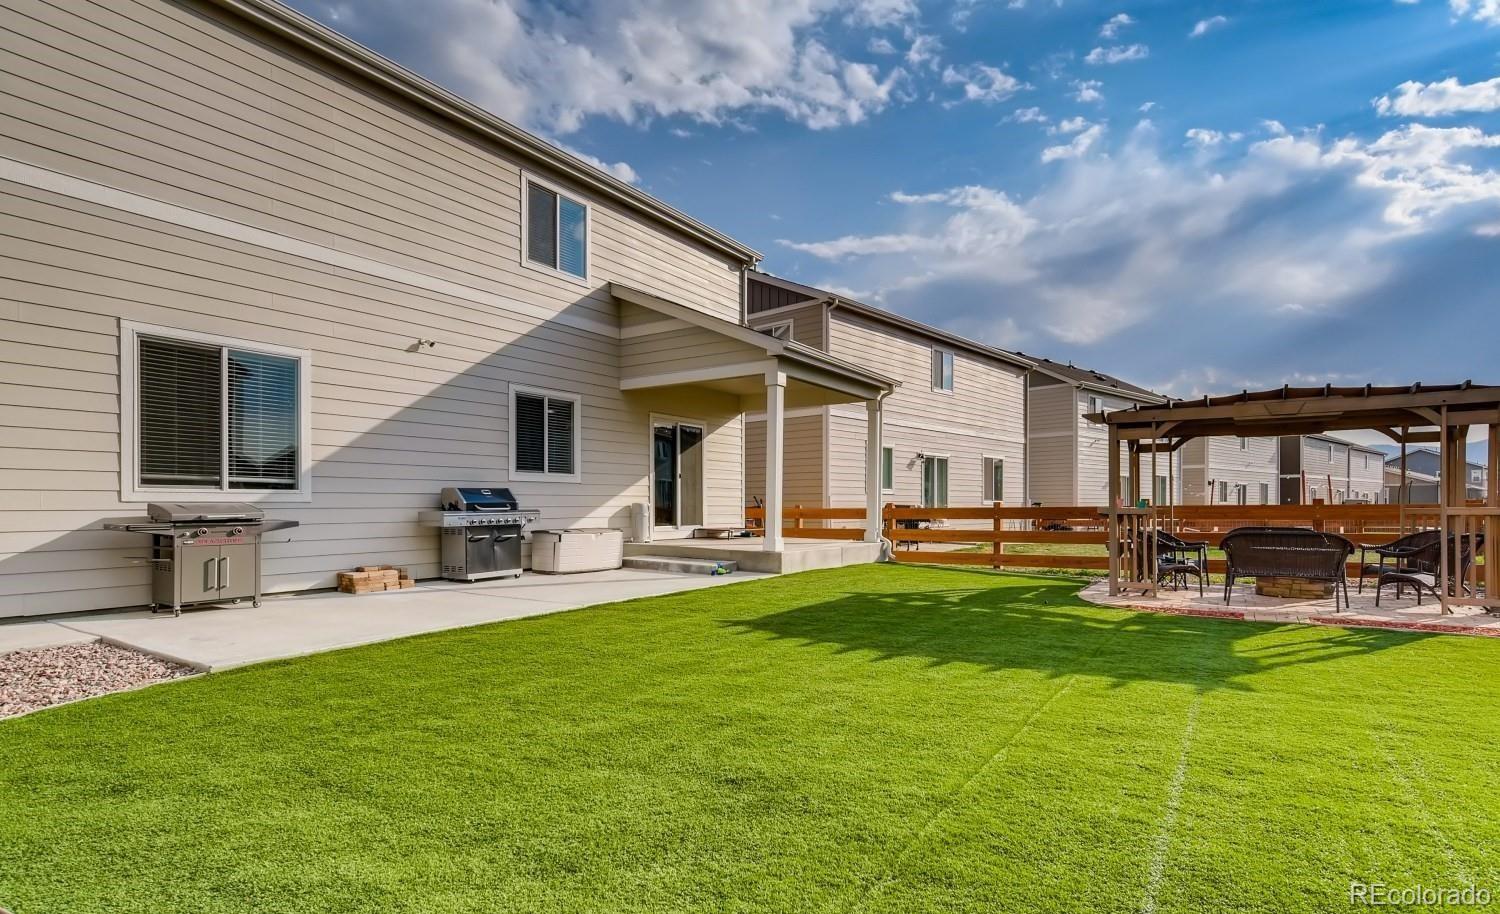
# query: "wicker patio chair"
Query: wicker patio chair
{"points": [[1419, 571], [1286, 552], [1398, 551], [1178, 558]]}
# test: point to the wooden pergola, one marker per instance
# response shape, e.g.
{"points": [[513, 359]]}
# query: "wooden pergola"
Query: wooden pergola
{"points": [[1418, 414]]}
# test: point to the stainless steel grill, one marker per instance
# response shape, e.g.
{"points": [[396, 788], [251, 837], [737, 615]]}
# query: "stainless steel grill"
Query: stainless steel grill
{"points": [[481, 532], [202, 553]]}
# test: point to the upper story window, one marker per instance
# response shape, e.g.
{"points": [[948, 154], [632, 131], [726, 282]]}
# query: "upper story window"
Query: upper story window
{"points": [[942, 370], [544, 435], [781, 330], [208, 416], [557, 231], [1096, 404], [1244, 444]]}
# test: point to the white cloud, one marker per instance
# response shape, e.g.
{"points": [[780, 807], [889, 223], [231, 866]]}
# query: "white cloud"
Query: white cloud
{"points": [[1146, 107], [634, 60], [1487, 11], [1114, 241], [620, 170], [1028, 116], [1448, 96], [1077, 148], [1111, 29], [1203, 138], [924, 51], [1087, 90], [1273, 127], [1204, 26], [1070, 125], [982, 83], [1117, 54], [881, 45]]}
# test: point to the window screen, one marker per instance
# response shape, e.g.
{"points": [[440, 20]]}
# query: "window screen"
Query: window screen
{"points": [[994, 479], [572, 237], [541, 225], [262, 421], [560, 436], [531, 433], [546, 434], [942, 369], [887, 468], [935, 482], [557, 231], [181, 414]]}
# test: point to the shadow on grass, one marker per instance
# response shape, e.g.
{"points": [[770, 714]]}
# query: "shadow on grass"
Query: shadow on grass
{"points": [[1038, 623]]}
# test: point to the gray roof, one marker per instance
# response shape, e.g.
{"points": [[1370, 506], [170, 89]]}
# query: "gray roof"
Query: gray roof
{"points": [[1096, 380], [837, 300]]}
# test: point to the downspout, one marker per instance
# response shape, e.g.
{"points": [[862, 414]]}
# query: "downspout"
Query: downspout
{"points": [[1026, 437]]}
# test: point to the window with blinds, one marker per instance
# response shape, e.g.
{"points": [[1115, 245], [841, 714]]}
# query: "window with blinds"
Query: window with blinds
{"points": [[216, 417], [544, 434], [557, 231]]}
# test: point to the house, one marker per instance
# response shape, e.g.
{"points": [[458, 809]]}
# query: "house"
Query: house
{"points": [[249, 260], [1424, 469], [953, 429], [1421, 488], [1230, 471], [1330, 469], [1068, 455]]}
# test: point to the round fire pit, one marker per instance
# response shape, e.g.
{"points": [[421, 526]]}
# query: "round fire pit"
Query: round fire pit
{"points": [[1293, 588]]}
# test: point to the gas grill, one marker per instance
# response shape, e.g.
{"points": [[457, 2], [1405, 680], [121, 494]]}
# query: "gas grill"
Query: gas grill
{"points": [[208, 553], [481, 532]]}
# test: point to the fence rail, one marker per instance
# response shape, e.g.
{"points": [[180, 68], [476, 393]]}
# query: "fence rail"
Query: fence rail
{"points": [[1001, 527]]}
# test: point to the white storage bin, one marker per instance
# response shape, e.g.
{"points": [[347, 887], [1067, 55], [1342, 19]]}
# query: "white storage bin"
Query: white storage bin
{"points": [[570, 551]]}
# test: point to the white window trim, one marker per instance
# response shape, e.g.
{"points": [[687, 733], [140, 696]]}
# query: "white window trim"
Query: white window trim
{"points": [[922, 482], [1095, 404], [771, 328], [996, 458], [888, 490], [577, 474], [588, 230], [936, 351], [659, 419], [130, 459]]}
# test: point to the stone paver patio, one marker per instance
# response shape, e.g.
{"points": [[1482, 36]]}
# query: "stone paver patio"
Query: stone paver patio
{"points": [[1245, 603]]}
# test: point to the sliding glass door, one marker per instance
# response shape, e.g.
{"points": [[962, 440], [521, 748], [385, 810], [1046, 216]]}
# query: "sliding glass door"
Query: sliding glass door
{"points": [[677, 474]]}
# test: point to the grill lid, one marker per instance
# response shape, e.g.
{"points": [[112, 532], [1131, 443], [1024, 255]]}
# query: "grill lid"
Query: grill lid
{"points": [[478, 498], [188, 513]]}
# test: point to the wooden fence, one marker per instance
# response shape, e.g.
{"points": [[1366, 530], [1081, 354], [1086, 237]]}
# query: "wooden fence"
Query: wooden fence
{"points": [[999, 527]]}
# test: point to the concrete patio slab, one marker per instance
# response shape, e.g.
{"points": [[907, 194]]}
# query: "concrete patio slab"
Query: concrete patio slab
{"points": [[21, 636], [299, 624], [1402, 614]]}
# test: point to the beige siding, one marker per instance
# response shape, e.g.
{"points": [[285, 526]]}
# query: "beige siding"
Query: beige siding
{"points": [[807, 323], [155, 100], [1210, 461], [983, 416], [1053, 432], [685, 349], [802, 459], [1093, 453]]}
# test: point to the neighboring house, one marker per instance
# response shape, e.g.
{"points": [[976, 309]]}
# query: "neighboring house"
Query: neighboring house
{"points": [[1425, 465], [250, 260], [1229, 471], [954, 430], [1330, 469], [1421, 488], [1068, 455]]}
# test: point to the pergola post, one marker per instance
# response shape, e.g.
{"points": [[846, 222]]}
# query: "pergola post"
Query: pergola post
{"points": [[1113, 509]]}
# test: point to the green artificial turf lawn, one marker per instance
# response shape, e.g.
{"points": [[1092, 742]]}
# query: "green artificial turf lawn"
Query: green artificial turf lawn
{"points": [[871, 739]]}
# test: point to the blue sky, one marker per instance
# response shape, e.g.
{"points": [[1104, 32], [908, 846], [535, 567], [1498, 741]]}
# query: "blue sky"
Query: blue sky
{"points": [[1199, 196]]}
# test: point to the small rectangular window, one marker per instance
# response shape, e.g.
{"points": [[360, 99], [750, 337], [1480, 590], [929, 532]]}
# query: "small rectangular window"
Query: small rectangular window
{"points": [[544, 435], [1223, 493], [935, 482], [942, 370], [1265, 493], [1161, 490], [887, 469], [1096, 405], [1244, 444], [556, 231], [212, 415], [994, 479], [781, 330]]}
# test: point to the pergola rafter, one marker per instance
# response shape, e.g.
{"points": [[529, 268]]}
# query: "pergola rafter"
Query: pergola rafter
{"points": [[1418, 413]]}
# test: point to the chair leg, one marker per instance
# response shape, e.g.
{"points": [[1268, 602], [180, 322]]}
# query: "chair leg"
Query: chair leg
{"points": [[1378, 587]]}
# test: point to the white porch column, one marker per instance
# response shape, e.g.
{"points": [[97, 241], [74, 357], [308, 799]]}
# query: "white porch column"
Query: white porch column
{"points": [[874, 464], [775, 438]]}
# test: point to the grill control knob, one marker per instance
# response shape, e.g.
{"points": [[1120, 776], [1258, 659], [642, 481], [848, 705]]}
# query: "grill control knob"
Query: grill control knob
{"points": [[203, 531], [236, 531]]}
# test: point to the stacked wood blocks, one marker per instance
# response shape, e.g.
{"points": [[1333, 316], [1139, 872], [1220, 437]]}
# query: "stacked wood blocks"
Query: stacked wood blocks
{"points": [[374, 579]]}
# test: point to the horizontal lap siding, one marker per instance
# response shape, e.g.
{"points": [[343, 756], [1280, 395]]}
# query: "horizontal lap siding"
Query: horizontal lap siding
{"points": [[155, 100], [807, 324], [1051, 461], [1209, 461], [802, 461], [984, 416], [687, 349]]}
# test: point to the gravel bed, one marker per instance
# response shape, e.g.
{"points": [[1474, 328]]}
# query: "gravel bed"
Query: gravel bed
{"points": [[31, 679]]}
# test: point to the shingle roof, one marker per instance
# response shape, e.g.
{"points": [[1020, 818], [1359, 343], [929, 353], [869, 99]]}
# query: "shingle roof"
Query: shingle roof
{"points": [[1099, 379]]}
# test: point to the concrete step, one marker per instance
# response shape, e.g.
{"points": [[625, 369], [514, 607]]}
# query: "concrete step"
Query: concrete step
{"points": [[675, 565]]}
